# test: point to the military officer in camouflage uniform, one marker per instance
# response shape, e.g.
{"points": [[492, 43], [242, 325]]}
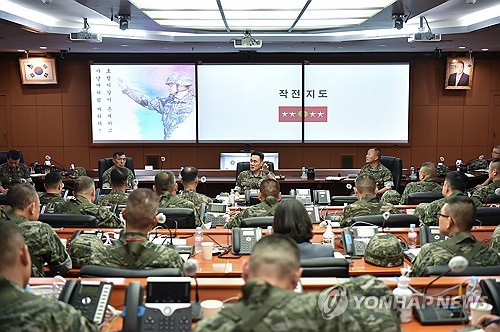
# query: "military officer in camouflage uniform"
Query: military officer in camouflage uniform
{"points": [[133, 250], [455, 184], [495, 239], [426, 184], [53, 188], [21, 310], [268, 302], [382, 175], [166, 188], [118, 188], [368, 203], [119, 160], [455, 221], [269, 196], [495, 153], [189, 181], [175, 108], [494, 177], [252, 178], [13, 172], [43, 243], [84, 191]]}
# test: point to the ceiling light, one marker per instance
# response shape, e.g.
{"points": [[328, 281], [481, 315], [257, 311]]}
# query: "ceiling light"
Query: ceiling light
{"points": [[21, 50], [481, 15], [43, 47], [485, 49], [462, 47], [20, 11]]}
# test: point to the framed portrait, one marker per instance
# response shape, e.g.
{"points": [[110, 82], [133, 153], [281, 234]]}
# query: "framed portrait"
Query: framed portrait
{"points": [[38, 70], [459, 71]]}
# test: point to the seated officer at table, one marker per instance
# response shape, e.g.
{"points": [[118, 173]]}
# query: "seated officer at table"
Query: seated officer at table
{"points": [[291, 219], [252, 178], [269, 196], [455, 221], [495, 153], [43, 242], [84, 191], [13, 172], [426, 184], [53, 188], [454, 184], [21, 310], [495, 239], [166, 188], [494, 177], [133, 250], [368, 202], [268, 302], [118, 193], [119, 160], [189, 180]]}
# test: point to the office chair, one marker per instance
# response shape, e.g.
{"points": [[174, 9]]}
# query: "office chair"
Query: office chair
{"points": [[68, 220], [395, 165], [262, 222], [325, 267], [394, 220], [341, 200], [178, 218], [245, 166], [470, 271], [95, 271], [105, 163], [491, 288], [492, 199], [424, 197], [3, 157], [488, 216]]}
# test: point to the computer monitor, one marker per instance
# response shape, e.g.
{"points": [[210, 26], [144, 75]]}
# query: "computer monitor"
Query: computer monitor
{"points": [[229, 160], [178, 218]]}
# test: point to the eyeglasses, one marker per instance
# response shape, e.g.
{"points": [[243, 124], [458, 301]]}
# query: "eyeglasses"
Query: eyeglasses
{"points": [[442, 215]]}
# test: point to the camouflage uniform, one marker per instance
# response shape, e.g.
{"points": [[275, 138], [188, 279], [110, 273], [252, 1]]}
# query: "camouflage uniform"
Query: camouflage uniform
{"points": [[197, 198], [247, 180], [429, 215], [481, 193], [478, 163], [82, 247], [495, 239], [368, 205], [23, 311], [106, 178], [9, 177], [265, 208], [442, 170], [46, 198], [114, 197], [167, 200], [80, 205], [426, 186], [79, 171], [458, 244], [381, 174], [134, 251], [43, 243], [301, 312]]}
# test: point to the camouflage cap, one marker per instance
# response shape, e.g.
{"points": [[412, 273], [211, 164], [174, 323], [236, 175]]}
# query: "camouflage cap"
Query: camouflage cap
{"points": [[384, 249], [442, 170], [179, 78], [82, 247]]}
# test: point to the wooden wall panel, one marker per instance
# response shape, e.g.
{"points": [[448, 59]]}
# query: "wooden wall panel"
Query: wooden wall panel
{"points": [[481, 83], [184, 156], [450, 125], [76, 155], [472, 152], [423, 154], [399, 151], [4, 128], [425, 83], [450, 154], [99, 153], [76, 125], [336, 154], [291, 157], [316, 157], [48, 95], [75, 82], [424, 123], [24, 126], [50, 125], [55, 152], [475, 126], [31, 154], [19, 94], [4, 74]]}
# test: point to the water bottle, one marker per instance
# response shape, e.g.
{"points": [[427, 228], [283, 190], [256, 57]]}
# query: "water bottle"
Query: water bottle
{"points": [[198, 239], [231, 198], [180, 172], [413, 175], [303, 176], [472, 293], [412, 237], [269, 230], [402, 295], [328, 236]]}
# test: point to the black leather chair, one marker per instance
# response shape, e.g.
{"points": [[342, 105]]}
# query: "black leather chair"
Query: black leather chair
{"points": [[105, 163], [394, 220], [340, 200], [470, 271], [492, 199], [395, 165], [178, 218], [95, 271], [422, 197], [245, 165], [3, 157], [488, 216], [325, 267], [262, 222], [491, 288], [68, 220]]}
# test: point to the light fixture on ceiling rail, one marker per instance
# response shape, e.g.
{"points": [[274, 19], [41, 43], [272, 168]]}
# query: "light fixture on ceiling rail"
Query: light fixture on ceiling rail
{"points": [[423, 34], [398, 21], [124, 21], [85, 35], [247, 42]]}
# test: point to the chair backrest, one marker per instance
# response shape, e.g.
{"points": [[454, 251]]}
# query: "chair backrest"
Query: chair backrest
{"points": [[245, 165], [488, 216], [262, 222], [3, 157], [394, 220], [491, 288], [395, 165], [95, 271], [340, 200], [492, 198], [68, 220], [325, 267], [417, 198], [470, 271], [178, 217], [105, 163]]}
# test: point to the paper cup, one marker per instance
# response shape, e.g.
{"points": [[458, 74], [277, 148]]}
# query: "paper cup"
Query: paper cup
{"points": [[478, 310], [210, 307], [206, 249], [410, 211]]}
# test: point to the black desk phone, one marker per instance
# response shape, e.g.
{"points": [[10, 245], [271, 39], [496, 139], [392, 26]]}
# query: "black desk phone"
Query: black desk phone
{"points": [[356, 238], [430, 234], [244, 239]]}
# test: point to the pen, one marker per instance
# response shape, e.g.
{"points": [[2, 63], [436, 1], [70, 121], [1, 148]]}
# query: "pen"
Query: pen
{"points": [[490, 321]]}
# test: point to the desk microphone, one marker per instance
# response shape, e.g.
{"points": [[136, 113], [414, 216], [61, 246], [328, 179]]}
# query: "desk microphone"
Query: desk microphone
{"points": [[161, 220], [189, 269], [456, 264], [48, 162], [162, 158], [497, 191]]}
